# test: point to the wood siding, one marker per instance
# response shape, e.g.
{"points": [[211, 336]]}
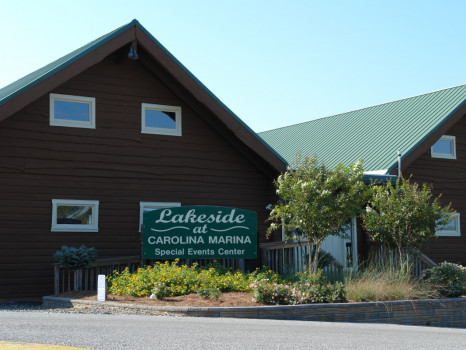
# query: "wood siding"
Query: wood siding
{"points": [[115, 164], [447, 177]]}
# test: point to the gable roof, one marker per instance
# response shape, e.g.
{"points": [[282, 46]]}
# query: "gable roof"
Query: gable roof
{"points": [[18, 94], [374, 134]]}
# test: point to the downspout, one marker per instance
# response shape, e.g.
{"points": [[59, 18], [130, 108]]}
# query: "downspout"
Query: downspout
{"points": [[399, 163]]}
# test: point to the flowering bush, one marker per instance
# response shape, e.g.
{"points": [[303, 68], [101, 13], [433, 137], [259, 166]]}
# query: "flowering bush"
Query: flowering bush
{"points": [[211, 293], [171, 279], [160, 291], [310, 288], [266, 292], [448, 278]]}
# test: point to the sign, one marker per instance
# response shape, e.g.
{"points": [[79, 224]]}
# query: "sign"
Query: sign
{"points": [[199, 232], [101, 288]]}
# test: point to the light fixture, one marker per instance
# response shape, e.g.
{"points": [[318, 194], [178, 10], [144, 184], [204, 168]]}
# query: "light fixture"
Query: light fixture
{"points": [[133, 54]]}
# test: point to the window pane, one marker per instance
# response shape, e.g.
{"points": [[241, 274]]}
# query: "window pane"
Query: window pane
{"points": [[71, 110], [74, 215], [160, 119], [443, 146], [451, 226]]}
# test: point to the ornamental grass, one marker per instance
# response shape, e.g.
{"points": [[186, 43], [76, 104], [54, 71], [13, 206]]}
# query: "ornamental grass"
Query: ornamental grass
{"points": [[387, 282]]}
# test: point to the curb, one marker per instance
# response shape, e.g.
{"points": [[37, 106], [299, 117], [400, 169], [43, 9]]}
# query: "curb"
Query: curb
{"points": [[430, 312]]}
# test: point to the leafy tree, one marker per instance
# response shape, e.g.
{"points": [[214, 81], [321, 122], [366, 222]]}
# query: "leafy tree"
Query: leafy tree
{"points": [[404, 216], [317, 202]]}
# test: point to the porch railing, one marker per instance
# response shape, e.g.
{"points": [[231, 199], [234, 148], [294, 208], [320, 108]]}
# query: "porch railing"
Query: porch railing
{"points": [[291, 257], [418, 261], [66, 280]]}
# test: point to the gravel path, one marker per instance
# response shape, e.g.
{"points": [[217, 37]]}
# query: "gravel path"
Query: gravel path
{"points": [[80, 309]]}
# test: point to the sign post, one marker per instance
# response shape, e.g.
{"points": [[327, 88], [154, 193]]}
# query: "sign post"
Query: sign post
{"points": [[199, 232], [101, 288]]}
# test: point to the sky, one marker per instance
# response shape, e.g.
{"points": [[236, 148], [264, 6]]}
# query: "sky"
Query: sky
{"points": [[273, 63]]}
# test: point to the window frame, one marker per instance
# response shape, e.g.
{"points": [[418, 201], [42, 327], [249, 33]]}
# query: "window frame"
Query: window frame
{"points": [[73, 123], [450, 233], [93, 227], [452, 140], [155, 206], [162, 108]]}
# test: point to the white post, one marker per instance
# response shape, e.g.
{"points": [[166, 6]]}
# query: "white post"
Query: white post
{"points": [[101, 288]]}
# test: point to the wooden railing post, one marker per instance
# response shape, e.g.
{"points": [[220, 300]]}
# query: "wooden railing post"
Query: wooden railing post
{"points": [[56, 279]]}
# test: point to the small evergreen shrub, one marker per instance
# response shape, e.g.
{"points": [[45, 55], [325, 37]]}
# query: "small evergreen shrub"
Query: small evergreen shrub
{"points": [[75, 258], [448, 278]]}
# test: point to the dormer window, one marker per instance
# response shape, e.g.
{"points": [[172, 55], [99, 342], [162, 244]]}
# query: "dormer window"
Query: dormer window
{"points": [[160, 119], [72, 111], [444, 148]]}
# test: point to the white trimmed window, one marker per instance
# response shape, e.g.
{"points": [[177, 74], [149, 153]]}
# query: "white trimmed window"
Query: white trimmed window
{"points": [[75, 215], [145, 207], [160, 119], [72, 111], [445, 148], [452, 228]]}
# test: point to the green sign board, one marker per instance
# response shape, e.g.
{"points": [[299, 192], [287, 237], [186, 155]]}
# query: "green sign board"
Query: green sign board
{"points": [[199, 232]]}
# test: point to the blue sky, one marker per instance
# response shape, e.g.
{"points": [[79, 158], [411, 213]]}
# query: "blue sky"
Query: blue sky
{"points": [[274, 63]]}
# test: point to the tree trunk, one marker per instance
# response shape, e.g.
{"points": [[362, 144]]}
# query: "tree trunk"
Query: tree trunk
{"points": [[313, 263], [310, 244], [316, 258]]}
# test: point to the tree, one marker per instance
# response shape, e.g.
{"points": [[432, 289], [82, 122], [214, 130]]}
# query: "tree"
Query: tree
{"points": [[404, 216], [317, 202]]}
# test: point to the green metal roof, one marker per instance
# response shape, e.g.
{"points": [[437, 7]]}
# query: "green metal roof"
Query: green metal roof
{"points": [[373, 134], [10, 91]]}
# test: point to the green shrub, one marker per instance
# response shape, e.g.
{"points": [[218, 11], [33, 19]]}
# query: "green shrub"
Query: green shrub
{"points": [[448, 278], [181, 280], [210, 293], [271, 293], [308, 288], [160, 291], [307, 277], [75, 258], [319, 293]]}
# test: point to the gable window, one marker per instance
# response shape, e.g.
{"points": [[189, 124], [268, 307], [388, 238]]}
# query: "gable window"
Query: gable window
{"points": [[145, 207], [452, 228], [444, 148], [72, 111], [160, 119], [75, 215]]}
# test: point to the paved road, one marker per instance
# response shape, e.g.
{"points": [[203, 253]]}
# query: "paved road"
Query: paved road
{"points": [[164, 332]]}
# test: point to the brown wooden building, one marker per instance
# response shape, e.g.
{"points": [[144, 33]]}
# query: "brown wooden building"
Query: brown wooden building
{"points": [[115, 127], [430, 132]]}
